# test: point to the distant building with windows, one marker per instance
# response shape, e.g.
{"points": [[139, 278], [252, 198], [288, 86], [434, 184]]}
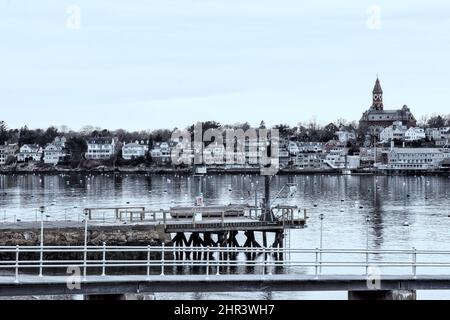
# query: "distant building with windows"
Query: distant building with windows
{"points": [[374, 120], [134, 150], [54, 152], [414, 134], [415, 158], [440, 136], [29, 152], [101, 148], [161, 153]]}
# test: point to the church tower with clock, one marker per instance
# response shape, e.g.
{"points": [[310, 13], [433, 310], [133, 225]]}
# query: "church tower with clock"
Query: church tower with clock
{"points": [[377, 96]]}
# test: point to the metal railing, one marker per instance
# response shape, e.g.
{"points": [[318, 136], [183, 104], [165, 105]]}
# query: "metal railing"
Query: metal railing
{"points": [[167, 260]]}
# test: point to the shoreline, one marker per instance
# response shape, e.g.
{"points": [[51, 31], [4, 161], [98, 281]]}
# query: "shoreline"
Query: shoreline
{"points": [[212, 171]]}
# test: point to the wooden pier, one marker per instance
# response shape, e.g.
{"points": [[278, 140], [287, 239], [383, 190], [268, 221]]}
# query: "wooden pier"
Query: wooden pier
{"points": [[198, 225]]}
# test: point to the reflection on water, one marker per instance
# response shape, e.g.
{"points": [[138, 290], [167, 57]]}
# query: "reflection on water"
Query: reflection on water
{"points": [[404, 212]]}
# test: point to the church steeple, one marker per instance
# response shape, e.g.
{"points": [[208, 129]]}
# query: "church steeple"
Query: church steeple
{"points": [[377, 96]]}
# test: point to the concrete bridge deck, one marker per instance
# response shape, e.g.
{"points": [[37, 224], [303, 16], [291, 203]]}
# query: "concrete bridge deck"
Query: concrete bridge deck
{"points": [[56, 285]]}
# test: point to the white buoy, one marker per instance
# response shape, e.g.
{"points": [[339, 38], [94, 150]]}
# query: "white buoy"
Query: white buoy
{"points": [[406, 223]]}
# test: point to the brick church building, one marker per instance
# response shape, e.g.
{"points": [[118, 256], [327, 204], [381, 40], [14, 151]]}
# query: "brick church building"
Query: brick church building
{"points": [[374, 120]]}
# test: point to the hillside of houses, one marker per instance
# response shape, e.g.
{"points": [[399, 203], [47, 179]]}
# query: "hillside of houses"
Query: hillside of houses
{"points": [[397, 147]]}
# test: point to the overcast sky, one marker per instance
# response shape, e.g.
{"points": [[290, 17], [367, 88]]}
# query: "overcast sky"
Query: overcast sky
{"points": [[167, 63]]}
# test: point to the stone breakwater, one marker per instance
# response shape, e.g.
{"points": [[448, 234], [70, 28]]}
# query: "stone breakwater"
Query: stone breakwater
{"points": [[72, 234]]}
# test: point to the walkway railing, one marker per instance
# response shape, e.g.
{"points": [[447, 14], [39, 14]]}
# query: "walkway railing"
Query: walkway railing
{"points": [[167, 260]]}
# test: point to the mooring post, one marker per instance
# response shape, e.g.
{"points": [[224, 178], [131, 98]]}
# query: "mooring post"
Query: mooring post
{"points": [[414, 266]]}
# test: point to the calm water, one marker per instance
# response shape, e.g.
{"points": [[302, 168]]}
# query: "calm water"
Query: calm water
{"points": [[423, 202]]}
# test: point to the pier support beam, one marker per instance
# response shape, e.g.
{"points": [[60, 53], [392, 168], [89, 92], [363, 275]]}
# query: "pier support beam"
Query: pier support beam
{"points": [[382, 295]]}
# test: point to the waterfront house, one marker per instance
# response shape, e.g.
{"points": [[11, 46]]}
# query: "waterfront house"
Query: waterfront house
{"points": [[415, 158], [338, 158], [6, 151], [134, 150], [308, 160], [29, 152], [101, 148], [54, 152], [161, 153]]}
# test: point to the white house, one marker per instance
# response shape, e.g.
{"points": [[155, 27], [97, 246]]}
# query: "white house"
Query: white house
{"points": [[53, 153], [29, 152], [101, 148], [414, 134], [6, 151], [134, 150], [394, 132]]}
